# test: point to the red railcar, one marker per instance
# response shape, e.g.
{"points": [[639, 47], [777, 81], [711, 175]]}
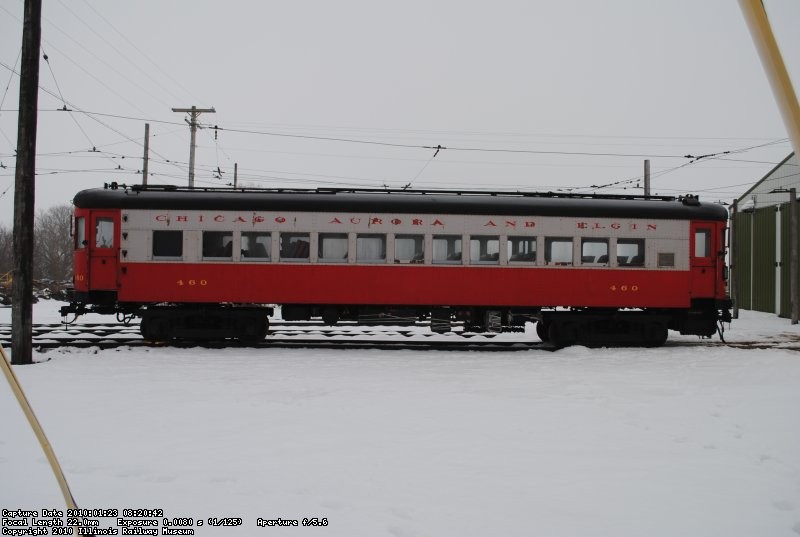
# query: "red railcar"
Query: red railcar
{"points": [[588, 268]]}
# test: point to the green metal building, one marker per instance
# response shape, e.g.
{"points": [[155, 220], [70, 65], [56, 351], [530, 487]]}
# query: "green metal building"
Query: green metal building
{"points": [[760, 238]]}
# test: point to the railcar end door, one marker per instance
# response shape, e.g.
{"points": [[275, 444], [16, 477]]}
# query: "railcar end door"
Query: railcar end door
{"points": [[703, 255], [103, 250]]}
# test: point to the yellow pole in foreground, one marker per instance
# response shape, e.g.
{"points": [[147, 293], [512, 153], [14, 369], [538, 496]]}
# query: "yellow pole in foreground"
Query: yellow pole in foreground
{"points": [[770, 54], [37, 428]]}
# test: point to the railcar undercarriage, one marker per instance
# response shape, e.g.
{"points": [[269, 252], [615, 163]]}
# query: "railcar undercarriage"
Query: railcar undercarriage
{"points": [[592, 327]]}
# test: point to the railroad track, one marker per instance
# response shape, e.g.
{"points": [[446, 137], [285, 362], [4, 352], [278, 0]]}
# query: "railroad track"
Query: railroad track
{"points": [[316, 335], [282, 335]]}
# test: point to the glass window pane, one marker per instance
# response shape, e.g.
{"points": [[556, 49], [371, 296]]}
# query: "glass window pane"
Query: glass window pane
{"points": [[371, 247], [333, 247], [594, 251], [484, 250], [558, 251], [630, 252], [702, 243], [256, 245], [80, 233], [447, 249], [168, 244], [218, 244], [409, 249], [104, 233], [295, 246], [522, 249]]}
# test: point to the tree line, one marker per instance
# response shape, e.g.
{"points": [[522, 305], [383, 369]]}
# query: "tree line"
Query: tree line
{"points": [[52, 249]]}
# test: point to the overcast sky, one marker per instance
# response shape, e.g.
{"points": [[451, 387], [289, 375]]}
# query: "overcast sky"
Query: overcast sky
{"points": [[522, 94]]}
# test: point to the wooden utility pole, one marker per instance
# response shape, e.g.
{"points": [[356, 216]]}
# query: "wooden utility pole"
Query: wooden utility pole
{"points": [[793, 255], [732, 252], [146, 152], [235, 173], [647, 177], [24, 183], [193, 112]]}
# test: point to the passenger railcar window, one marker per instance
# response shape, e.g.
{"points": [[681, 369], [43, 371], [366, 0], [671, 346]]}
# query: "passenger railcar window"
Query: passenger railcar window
{"points": [[594, 251], [218, 244], [409, 249], [521, 249], [168, 244], [371, 247], [80, 232], [295, 246], [702, 243], [104, 233], [256, 245], [447, 249], [630, 252], [333, 247], [558, 251], [484, 250]]}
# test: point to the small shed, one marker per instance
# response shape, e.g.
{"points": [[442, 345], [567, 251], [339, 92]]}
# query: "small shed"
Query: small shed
{"points": [[761, 241]]}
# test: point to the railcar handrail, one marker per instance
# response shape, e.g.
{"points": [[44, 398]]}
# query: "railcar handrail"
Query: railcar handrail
{"points": [[688, 199]]}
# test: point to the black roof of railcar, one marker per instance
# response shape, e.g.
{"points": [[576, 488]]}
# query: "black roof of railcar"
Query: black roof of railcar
{"points": [[401, 201]]}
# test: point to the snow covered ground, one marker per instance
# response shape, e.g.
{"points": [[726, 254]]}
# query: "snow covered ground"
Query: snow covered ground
{"points": [[692, 439]]}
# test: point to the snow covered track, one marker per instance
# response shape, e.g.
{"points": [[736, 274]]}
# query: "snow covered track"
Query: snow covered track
{"points": [[282, 335], [316, 335]]}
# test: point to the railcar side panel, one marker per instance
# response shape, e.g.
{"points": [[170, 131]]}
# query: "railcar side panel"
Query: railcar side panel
{"points": [[402, 285]]}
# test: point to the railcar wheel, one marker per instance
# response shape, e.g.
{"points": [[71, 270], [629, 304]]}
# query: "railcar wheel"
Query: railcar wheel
{"points": [[254, 329], [559, 335], [330, 316], [155, 328], [657, 334], [541, 331]]}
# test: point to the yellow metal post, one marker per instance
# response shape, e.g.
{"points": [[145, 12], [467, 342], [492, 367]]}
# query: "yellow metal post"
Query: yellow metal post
{"points": [[770, 54], [37, 429]]}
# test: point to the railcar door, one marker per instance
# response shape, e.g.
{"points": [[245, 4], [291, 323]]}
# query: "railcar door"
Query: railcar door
{"points": [[103, 250], [703, 259]]}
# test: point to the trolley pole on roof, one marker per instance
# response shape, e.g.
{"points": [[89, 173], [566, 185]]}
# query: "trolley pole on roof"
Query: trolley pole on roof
{"points": [[194, 113], [24, 183]]}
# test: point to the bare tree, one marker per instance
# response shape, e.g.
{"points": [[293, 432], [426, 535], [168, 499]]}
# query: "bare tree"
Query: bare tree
{"points": [[53, 244], [6, 238]]}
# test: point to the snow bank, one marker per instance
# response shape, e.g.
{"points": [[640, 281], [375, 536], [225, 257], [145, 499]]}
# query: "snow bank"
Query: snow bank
{"points": [[681, 440]]}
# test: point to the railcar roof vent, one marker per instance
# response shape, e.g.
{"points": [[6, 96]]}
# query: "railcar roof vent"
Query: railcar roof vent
{"points": [[690, 200]]}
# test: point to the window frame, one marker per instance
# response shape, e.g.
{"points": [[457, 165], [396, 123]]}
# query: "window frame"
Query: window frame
{"points": [[628, 263], [225, 234], [548, 251], [484, 239], [267, 246], [596, 240], [416, 259], [290, 235], [81, 242], [459, 239], [174, 232], [321, 237], [372, 260], [525, 239]]}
